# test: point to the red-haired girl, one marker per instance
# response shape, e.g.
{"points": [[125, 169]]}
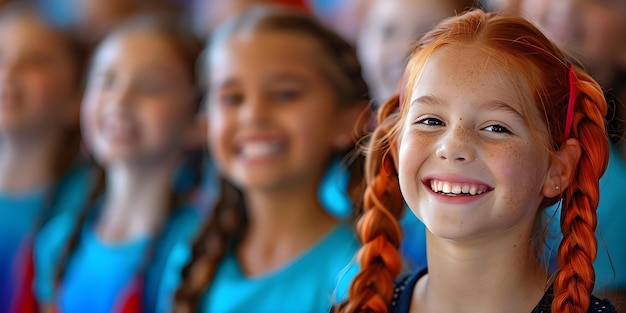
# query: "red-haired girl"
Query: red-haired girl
{"points": [[492, 125]]}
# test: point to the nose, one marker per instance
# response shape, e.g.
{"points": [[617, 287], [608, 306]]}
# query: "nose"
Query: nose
{"points": [[254, 111], [456, 145]]}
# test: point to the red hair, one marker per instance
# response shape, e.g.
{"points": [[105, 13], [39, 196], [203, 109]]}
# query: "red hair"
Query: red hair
{"points": [[539, 68]]}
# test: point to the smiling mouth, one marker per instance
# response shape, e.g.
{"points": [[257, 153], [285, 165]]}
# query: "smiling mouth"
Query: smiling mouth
{"points": [[259, 149], [457, 189]]}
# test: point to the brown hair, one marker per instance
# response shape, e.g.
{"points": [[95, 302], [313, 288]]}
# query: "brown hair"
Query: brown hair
{"points": [[530, 57], [227, 222], [188, 49]]}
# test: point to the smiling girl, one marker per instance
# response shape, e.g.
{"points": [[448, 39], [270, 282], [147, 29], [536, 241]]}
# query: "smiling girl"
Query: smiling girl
{"points": [[137, 116], [492, 125], [277, 119]]}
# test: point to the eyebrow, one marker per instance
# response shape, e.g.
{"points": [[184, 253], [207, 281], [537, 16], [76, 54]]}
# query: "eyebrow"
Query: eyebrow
{"points": [[277, 78], [285, 77], [493, 105], [427, 100]]}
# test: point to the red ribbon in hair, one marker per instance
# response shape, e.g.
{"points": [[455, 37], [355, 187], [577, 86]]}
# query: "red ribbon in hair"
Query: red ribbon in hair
{"points": [[572, 80]]}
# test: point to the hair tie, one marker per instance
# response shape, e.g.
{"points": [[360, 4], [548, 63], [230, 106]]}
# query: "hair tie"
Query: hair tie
{"points": [[572, 80]]}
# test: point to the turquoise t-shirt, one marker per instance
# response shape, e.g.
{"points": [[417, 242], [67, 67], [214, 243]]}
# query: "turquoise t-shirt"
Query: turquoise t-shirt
{"points": [[99, 273], [611, 230], [20, 216], [311, 282]]}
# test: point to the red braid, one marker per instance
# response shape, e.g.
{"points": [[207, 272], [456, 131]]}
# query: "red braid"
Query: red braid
{"points": [[575, 281], [372, 289], [528, 56]]}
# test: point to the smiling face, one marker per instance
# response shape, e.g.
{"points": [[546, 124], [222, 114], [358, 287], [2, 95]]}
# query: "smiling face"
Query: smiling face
{"points": [[272, 113], [469, 165], [38, 83], [139, 101]]}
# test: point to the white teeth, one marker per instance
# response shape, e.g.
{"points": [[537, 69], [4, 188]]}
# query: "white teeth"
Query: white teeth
{"points": [[118, 127], [473, 190], [456, 189], [446, 188], [260, 149]]}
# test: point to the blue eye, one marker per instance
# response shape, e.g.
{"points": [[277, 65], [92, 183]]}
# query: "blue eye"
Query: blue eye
{"points": [[430, 121], [497, 129]]}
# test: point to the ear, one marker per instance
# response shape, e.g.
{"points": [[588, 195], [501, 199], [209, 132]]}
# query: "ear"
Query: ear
{"points": [[196, 137], [562, 168], [349, 120]]}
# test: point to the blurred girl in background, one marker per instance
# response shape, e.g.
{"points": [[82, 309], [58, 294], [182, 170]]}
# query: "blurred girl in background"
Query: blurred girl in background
{"points": [[284, 100], [138, 118]]}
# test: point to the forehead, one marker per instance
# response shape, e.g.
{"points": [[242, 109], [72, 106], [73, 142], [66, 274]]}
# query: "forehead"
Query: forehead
{"points": [[258, 53], [28, 30], [469, 74], [138, 48]]}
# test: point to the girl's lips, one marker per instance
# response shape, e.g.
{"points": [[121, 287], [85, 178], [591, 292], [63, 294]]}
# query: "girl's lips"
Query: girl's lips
{"points": [[456, 189], [260, 148], [255, 148], [119, 128]]}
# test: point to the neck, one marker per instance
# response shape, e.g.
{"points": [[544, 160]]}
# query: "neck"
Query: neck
{"points": [[482, 276], [282, 224], [137, 201], [27, 163]]}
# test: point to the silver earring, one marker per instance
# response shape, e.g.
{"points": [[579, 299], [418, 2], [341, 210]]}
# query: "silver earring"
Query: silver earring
{"points": [[556, 187]]}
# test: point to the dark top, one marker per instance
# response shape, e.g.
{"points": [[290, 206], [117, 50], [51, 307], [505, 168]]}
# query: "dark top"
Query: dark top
{"points": [[405, 284]]}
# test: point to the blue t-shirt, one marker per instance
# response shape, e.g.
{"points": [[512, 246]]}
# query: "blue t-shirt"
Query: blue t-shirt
{"points": [[99, 273], [413, 244], [20, 216], [611, 229], [312, 282]]}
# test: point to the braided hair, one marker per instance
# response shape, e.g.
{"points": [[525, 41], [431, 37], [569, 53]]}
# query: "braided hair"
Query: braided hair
{"points": [[228, 219], [528, 54], [187, 48]]}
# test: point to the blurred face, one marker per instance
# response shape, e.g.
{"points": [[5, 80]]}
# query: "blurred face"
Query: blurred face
{"points": [[139, 101], [37, 77], [272, 114], [593, 31], [469, 167], [391, 28]]}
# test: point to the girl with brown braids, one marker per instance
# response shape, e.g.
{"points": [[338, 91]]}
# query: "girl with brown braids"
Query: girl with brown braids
{"points": [[137, 118], [284, 98], [492, 125]]}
